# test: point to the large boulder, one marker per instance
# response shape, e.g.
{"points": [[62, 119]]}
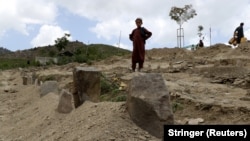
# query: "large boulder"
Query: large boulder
{"points": [[87, 85], [148, 103]]}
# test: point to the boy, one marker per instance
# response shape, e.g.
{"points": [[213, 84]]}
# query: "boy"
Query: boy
{"points": [[239, 33], [139, 36]]}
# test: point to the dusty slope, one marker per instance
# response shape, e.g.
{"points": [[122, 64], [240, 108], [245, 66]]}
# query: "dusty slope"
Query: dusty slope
{"points": [[26, 116], [209, 83]]}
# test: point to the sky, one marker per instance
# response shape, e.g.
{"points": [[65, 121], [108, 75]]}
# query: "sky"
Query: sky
{"points": [[26, 24]]}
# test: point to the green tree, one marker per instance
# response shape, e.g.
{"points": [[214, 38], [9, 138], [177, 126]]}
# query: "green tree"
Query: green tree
{"points": [[62, 42], [200, 29], [181, 15]]}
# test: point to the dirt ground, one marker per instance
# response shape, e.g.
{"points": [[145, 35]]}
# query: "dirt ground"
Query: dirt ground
{"points": [[207, 86]]}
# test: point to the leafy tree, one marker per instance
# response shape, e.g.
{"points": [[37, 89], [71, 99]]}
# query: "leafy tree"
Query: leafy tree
{"points": [[62, 42], [181, 15], [200, 29]]}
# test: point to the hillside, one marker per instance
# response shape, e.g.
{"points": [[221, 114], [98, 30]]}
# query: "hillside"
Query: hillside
{"points": [[210, 83], [74, 47], [74, 52], [4, 51]]}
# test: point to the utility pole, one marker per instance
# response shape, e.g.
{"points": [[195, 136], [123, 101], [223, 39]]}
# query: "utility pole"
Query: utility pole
{"points": [[87, 49], [119, 40], [180, 37], [210, 35]]}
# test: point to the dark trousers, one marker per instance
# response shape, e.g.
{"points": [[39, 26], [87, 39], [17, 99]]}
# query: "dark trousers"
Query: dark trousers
{"points": [[140, 65], [238, 40]]}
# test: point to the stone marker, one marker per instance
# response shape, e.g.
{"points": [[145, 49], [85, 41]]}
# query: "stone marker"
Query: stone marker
{"points": [[25, 80], [47, 87], [65, 102], [86, 85], [148, 103]]}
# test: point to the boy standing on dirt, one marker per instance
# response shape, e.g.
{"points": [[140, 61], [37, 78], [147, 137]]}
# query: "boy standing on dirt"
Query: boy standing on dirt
{"points": [[239, 33], [139, 36], [200, 44]]}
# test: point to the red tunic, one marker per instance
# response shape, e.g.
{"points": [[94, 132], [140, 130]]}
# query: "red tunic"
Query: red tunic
{"points": [[138, 54]]}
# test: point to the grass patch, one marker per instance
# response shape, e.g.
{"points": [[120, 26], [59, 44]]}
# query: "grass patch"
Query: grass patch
{"points": [[51, 77], [110, 91], [10, 63], [176, 106]]}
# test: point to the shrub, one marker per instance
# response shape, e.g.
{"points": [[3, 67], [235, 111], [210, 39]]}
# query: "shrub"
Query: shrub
{"points": [[81, 58]]}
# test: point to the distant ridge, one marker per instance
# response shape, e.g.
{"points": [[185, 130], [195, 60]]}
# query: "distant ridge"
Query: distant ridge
{"points": [[4, 51]]}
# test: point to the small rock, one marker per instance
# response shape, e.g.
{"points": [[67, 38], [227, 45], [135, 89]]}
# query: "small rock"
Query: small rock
{"points": [[195, 121], [142, 137], [112, 139], [107, 132], [147, 136], [133, 132], [246, 98]]}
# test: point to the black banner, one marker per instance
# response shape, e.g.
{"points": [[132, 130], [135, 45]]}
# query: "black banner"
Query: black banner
{"points": [[206, 132]]}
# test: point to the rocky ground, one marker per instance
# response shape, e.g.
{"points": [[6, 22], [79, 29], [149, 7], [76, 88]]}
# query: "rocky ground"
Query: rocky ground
{"points": [[207, 86]]}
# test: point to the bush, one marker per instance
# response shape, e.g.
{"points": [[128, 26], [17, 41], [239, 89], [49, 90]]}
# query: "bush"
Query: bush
{"points": [[81, 58], [176, 106], [119, 98], [52, 53], [62, 60], [110, 91]]}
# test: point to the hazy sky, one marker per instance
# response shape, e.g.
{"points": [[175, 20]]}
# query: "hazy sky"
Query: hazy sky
{"points": [[27, 24]]}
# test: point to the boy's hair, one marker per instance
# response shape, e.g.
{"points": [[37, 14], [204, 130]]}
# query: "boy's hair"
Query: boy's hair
{"points": [[241, 24], [138, 19]]}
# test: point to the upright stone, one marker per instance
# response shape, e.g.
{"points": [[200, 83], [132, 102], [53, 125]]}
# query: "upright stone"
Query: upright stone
{"points": [[47, 87], [148, 103], [34, 77], [65, 102], [86, 85], [25, 80], [30, 80]]}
